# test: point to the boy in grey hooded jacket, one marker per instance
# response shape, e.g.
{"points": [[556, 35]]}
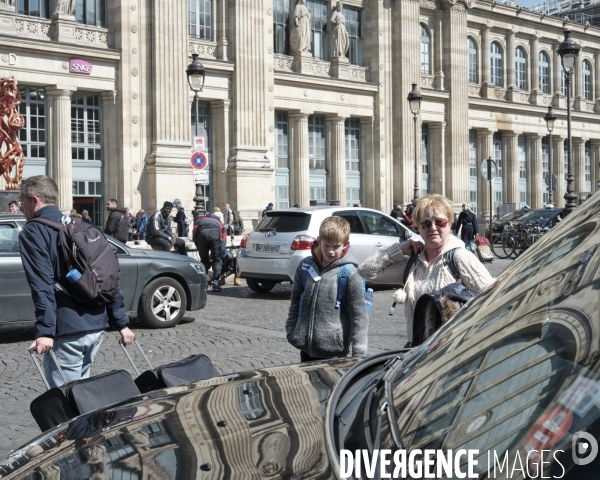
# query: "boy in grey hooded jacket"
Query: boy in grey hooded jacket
{"points": [[314, 325]]}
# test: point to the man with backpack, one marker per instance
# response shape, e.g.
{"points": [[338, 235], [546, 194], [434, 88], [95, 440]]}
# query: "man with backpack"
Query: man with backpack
{"points": [[64, 324], [117, 223]]}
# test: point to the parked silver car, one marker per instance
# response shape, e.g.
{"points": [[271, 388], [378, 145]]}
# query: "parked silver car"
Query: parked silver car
{"points": [[158, 287], [283, 238]]}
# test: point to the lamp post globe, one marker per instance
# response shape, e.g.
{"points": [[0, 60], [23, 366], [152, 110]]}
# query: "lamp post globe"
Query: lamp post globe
{"points": [[195, 74], [550, 118], [568, 50], [414, 100]]}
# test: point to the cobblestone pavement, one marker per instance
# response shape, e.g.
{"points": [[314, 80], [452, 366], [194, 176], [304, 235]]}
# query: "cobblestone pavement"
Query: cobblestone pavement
{"points": [[239, 330]]}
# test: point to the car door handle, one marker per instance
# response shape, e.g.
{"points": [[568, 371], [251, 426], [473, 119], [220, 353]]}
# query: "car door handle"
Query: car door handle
{"points": [[379, 244]]}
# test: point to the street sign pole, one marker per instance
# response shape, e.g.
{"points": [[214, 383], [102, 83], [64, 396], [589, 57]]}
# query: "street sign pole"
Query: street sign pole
{"points": [[490, 178]]}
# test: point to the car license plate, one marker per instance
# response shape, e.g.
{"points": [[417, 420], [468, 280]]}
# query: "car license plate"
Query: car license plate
{"points": [[267, 248]]}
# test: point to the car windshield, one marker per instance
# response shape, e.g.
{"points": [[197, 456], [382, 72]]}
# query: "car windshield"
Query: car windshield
{"points": [[512, 216], [283, 222], [545, 214], [523, 353]]}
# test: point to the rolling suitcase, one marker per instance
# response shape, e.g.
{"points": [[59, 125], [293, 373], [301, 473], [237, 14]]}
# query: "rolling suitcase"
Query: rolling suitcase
{"points": [[59, 404], [189, 370]]}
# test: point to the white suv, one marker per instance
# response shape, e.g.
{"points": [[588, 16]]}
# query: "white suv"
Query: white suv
{"points": [[283, 238]]}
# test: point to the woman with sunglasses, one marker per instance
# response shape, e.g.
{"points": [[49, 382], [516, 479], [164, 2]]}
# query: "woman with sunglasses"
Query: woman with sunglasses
{"points": [[430, 272]]}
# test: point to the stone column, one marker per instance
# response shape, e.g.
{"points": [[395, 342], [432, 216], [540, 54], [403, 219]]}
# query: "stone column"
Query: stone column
{"points": [[597, 83], [534, 170], [299, 171], [437, 168], [487, 87], [60, 163], [510, 143], [457, 116], [559, 100], [595, 167], [579, 101], [406, 70], [221, 30], [485, 148], [337, 157], [368, 174], [558, 169], [249, 164], [438, 81], [537, 96], [579, 164], [220, 158], [511, 82], [117, 172], [168, 167]]}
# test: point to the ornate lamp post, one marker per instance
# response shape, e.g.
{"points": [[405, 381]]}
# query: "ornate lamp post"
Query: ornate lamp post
{"points": [[414, 100], [550, 118], [568, 51], [195, 74]]}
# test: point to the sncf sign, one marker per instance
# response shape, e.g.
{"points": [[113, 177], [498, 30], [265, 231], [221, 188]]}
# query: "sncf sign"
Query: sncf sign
{"points": [[77, 65]]}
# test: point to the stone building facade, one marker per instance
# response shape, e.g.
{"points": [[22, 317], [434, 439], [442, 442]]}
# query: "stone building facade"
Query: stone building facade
{"points": [[109, 112]]}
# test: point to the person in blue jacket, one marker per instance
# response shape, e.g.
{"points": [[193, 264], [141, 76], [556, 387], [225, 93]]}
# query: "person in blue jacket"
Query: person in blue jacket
{"points": [[72, 331]]}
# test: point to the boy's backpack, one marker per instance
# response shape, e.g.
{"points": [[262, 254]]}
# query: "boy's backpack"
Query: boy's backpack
{"points": [[235, 216], [342, 283], [122, 232], [86, 249]]}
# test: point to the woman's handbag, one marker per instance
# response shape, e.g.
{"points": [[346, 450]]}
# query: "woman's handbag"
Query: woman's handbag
{"points": [[484, 250]]}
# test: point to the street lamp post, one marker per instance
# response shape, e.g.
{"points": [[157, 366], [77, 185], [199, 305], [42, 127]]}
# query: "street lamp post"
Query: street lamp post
{"points": [[568, 51], [414, 100], [195, 74], [550, 118]]}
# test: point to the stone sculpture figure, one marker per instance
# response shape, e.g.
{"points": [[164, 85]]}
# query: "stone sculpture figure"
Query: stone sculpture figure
{"points": [[10, 3], [64, 6], [11, 121], [340, 35], [300, 37]]}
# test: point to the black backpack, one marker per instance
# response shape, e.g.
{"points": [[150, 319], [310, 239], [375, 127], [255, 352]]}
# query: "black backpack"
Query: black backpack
{"points": [[122, 232], [86, 249]]}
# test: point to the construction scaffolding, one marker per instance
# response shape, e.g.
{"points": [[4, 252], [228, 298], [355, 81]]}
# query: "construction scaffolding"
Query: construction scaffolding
{"points": [[580, 11]]}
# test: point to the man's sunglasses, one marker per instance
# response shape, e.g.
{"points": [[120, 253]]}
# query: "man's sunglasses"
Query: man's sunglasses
{"points": [[442, 223]]}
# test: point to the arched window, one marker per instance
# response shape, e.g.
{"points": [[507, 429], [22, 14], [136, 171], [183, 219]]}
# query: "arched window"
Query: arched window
{"points": [[544, 71], [472, 55], [520, 68], [586, 72], [425, 50], [496, 64], [563, 81]]}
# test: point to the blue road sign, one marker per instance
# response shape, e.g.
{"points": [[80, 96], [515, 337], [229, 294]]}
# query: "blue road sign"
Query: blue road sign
{"points": [[198, 160]]}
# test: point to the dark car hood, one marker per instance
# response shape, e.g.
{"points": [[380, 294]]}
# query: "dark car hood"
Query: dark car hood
{"points": [[250, 425]]}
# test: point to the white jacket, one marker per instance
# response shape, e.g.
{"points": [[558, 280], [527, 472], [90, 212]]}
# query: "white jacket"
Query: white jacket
{"points": [[387, 267]]}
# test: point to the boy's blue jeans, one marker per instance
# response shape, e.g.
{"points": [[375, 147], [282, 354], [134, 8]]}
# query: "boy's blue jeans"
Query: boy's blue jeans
{"points": [[75, 356]]}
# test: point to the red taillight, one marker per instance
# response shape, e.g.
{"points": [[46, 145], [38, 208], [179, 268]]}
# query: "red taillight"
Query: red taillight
{"points": [[243, 241], [303, 242]]}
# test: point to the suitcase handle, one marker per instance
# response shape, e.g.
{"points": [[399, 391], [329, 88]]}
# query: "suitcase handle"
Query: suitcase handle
{"points": [[33, 351], [131, 360]]}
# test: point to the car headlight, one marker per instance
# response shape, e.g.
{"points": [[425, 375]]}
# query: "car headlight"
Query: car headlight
{"points": [[198, 267]]}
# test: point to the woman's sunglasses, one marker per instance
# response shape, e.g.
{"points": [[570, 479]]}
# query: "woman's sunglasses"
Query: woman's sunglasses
{"points": [[438, 223]]}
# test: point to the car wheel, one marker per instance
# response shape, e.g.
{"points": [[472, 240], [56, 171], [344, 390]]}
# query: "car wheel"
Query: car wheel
{"points": [[162, 303], [260, 286]]}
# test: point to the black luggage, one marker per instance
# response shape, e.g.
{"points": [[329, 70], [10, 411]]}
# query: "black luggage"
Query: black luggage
{"points": [[59, 404], [189, 370]]}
